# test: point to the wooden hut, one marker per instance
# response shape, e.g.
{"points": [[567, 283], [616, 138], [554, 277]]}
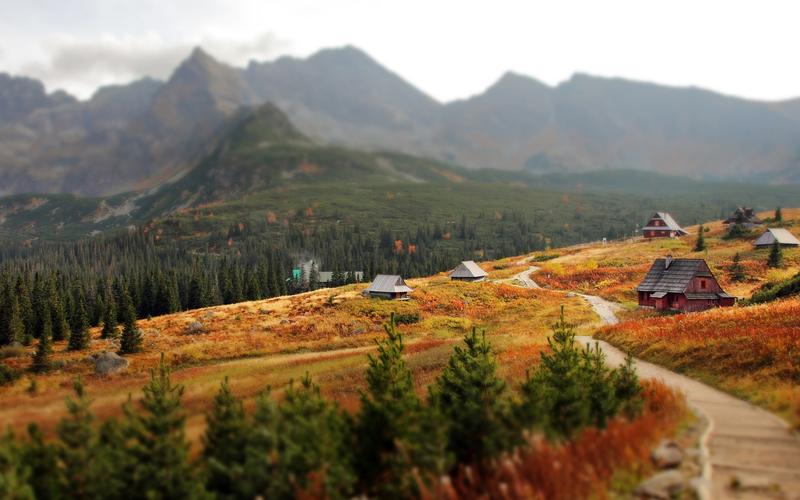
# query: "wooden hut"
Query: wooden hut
{"points": [[468, 271], [388, 286], [682, 285], [773, 234], [662, 225], [744, 216]]}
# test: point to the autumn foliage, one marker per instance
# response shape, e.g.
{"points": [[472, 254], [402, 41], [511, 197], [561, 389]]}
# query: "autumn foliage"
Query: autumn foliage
{"points": [[579, 468]]}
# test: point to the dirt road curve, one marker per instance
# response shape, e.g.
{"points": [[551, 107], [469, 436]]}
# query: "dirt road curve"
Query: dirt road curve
{"points": [[745, 445], [524, 278]]}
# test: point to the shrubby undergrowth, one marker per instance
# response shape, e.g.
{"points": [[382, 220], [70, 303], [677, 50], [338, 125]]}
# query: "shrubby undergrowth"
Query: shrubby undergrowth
{"points": [[398, 445]]}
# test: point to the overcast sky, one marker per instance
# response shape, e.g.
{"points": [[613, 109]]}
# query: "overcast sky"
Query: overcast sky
{"points": [[449, 49]]}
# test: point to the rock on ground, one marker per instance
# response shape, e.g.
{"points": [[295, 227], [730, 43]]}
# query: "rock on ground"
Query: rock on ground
{"points": [[667, 455], [109, 363], [662, 486]]}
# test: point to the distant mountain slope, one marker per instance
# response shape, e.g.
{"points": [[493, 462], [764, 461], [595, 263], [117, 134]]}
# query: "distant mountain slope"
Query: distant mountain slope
{"points": [[136, 136], [261, 168]]}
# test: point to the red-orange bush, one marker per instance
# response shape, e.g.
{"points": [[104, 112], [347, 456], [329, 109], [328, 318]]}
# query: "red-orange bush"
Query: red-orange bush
{"points": [[580, 468]]}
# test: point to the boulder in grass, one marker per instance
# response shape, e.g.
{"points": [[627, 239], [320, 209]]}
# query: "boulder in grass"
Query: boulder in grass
{"points": [[667, 455], [110, 363], [196, 328], [663, 486]]}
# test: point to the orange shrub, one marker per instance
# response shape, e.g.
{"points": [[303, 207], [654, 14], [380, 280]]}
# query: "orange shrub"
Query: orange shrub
{"points": [[581, 468]]}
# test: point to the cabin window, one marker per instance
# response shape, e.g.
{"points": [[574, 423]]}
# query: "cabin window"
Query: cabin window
{"points": [[703, 284]]}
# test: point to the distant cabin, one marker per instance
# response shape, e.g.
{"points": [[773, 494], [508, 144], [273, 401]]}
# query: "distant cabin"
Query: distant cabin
{"points": [[744, 216], [468, 271], [388, 286], [682, 285], [662, 225], [782, 236]]}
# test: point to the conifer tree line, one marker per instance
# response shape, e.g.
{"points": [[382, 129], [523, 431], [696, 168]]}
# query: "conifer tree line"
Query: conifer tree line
{"points": [[397, 444], [83, 284]]}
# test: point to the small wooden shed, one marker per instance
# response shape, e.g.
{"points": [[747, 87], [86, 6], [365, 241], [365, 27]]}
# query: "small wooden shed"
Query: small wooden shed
{"points": [[779, 234], [388, 286], [468, 271], [662, 225]]}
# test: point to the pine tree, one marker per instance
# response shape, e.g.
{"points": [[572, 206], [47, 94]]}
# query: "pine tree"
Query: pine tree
{"points": [[700, 244], [775, 255], [131, 340], [261, 468], [79, 337], [627, 389], [737, 269], [77, 446], [159, 449], [26, 310], [313, 437], [225, 443], [554, 395], [110, 320], [197, 292], [41, 459], [778, 215], [14, 475], [41, 358], [599, 383], [395, 433], [12, 328], [471, 396], [58, 317]]}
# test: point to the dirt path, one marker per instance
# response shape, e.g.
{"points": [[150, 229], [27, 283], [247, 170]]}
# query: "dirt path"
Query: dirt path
{"points": [[744, 445], [604, 308], [524, 278]]}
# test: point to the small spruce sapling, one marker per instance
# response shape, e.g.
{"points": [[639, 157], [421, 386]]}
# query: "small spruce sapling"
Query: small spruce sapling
{"points": [[700, 243], [737, 269], [775, 258]]}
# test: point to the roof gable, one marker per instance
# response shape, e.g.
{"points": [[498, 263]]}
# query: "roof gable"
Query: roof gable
{"points": [[781, 235], [388, 283], [674, 278], [669, 222], [468, 269]]}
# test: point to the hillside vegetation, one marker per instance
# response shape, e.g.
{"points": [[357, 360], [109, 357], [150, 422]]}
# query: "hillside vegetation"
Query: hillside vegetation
{"points": [[326, 333], [750, 351]]}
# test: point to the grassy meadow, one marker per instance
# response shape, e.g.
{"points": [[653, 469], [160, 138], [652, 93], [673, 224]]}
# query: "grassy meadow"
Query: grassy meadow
{"points": [[327, 333], [751, 352]]}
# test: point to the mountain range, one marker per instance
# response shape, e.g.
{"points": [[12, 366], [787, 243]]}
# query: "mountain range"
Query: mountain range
{"points": [[136, 136]]}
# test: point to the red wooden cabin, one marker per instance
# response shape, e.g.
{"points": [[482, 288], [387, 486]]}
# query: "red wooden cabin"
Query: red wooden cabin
{"points": [[662, 225], [682, 285]]}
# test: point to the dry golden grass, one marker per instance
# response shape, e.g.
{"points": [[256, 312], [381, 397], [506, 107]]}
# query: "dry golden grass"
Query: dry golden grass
{"points": [[613, 270], [753, 352], [326, 333]]}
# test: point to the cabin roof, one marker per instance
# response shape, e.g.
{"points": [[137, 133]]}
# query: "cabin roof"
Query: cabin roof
{"points": [[743, 215], [388, 283], [674, 278], [669, 222], [783, 236], [468, 269]]}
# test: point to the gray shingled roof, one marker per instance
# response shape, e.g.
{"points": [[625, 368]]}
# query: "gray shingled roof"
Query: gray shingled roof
{"points": [[783, 236], [388, 283], [672, 279], [468, 269], [668, 220]]}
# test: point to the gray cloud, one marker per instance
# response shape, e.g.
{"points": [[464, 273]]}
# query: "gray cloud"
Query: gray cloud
{"points": [[81, 65]]}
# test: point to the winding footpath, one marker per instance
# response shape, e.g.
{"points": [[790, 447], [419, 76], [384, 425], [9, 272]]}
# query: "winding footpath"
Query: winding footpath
{"points": [[744, 445]]}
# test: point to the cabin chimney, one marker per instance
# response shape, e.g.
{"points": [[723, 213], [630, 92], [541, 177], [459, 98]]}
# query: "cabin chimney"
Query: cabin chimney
{"points": [[667, 261]]}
